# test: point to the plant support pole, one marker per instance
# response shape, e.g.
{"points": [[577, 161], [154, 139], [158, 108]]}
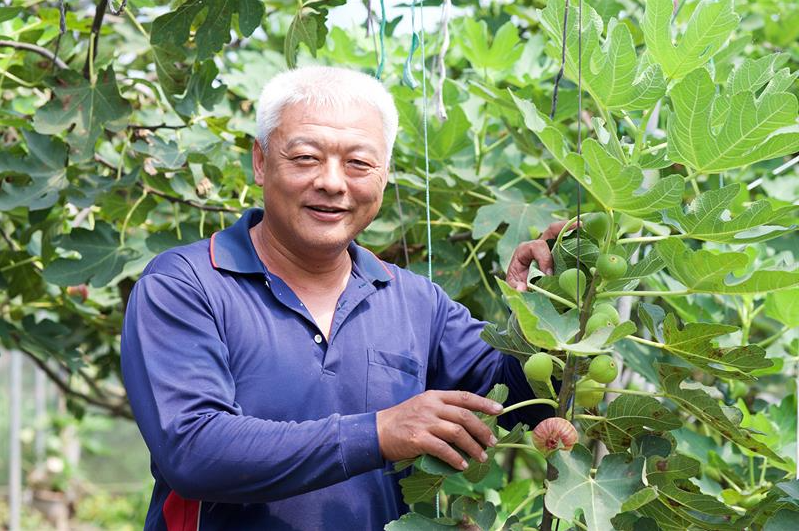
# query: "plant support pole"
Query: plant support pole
{"points": [[14, 444]]}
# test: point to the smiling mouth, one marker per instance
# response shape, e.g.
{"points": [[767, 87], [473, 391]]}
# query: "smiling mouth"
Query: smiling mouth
{"points": [[327, 209]]}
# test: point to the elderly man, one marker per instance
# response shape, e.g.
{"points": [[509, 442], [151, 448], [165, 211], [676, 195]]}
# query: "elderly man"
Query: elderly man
{"points": [[277, 369]]}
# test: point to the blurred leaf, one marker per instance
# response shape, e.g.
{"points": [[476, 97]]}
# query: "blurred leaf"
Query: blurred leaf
{"points": [[784, 306], [200, 90], [471, 512], [172, 29], [307, 26], [417, 522], [503, 51], [707, 410], [85, 108], [45, 168], [101, 257]]}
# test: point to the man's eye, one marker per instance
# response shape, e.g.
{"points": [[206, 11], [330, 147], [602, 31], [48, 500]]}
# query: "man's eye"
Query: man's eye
{"points": [[360, 164], [304, 158]]}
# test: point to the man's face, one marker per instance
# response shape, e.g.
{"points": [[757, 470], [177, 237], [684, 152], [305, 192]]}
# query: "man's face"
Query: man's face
{"points": [[323, 175]]}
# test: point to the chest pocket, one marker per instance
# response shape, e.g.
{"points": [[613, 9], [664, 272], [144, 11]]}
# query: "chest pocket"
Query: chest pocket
{"points": [[390, 379]]}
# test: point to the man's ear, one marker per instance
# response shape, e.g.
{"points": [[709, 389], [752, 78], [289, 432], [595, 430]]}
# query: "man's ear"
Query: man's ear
{"points": [[258, 163]]}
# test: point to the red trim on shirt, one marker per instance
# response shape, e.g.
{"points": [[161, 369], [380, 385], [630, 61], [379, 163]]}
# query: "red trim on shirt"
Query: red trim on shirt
{"points": [[181, 514], [211, 252], [379, 261]]}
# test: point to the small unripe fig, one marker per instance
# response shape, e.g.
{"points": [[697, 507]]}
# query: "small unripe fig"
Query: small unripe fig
{"points": [[554, 433], [568, 282], [597, 321], [588, 393], [603, 369], [595, 224], [611, 266], [608, 310], [538, 367]]}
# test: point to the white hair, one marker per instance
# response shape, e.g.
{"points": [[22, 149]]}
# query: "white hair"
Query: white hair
{"points": [[325, 87]]}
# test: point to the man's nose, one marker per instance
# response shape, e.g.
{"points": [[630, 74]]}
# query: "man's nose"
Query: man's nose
{"points": [[332, 178]]}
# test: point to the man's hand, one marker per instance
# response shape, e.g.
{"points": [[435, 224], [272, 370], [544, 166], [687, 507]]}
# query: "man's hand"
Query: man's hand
{"points": [[529, 252], [426, 423]]}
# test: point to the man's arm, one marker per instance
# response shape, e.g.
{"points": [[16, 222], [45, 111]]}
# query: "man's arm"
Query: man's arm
{"points": [[175, 368]]}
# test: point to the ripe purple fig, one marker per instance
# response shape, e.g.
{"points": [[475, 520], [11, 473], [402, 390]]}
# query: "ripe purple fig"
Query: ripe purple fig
{"points": [[554, 433]]}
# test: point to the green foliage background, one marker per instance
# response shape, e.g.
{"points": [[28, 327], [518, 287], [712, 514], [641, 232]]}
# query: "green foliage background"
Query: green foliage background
{"points": [[136, 137]]}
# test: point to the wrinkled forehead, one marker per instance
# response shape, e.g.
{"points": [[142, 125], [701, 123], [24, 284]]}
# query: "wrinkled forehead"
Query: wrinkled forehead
{"points": [[354, 121]]}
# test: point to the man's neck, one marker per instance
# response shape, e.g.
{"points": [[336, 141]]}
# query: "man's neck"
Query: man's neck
{"points": [[311, 271]]}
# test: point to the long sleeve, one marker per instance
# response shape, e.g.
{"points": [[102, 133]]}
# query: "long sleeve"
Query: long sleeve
{"points": [[461, 360], [176, 370]]}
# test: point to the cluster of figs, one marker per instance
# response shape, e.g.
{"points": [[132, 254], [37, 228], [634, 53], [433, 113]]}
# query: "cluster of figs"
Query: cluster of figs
{"points": [[558, 433]]}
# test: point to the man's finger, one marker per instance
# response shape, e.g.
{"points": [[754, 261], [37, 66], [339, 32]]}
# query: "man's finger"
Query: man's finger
{"points": [[469, 420], [471, 402], [437, 447], [543, 257], [457, 435], [523, 256]]}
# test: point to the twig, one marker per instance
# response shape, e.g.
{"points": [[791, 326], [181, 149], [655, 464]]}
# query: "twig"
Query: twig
{"points": [[557, 85], [119, 10], [62, 28], [44, 52], [155, 127], [173, 199], [97, 23], [555, 184]]}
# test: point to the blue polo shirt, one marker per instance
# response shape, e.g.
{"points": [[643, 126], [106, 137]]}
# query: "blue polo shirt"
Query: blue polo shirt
{"points": [[253, 419]]}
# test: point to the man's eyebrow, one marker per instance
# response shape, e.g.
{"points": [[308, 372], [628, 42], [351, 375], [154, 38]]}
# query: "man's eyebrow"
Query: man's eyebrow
{"points": [[296, 141], [302, 140]]}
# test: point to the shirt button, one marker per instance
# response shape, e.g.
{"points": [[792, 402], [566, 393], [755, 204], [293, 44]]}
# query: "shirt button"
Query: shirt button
{"points": [[317, 338]]}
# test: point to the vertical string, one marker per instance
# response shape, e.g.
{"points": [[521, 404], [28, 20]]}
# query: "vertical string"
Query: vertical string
{"points": [[426, 151], [579, 150], [426, 158], [382, 64]]}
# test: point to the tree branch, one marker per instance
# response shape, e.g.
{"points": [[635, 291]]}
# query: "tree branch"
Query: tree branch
{"points": [[154, 127], [171, 198], [97, 23], [120, 410], [44, 52]]}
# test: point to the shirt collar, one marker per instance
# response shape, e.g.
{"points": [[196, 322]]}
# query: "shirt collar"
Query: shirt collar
{"points": [[231, 249]]}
